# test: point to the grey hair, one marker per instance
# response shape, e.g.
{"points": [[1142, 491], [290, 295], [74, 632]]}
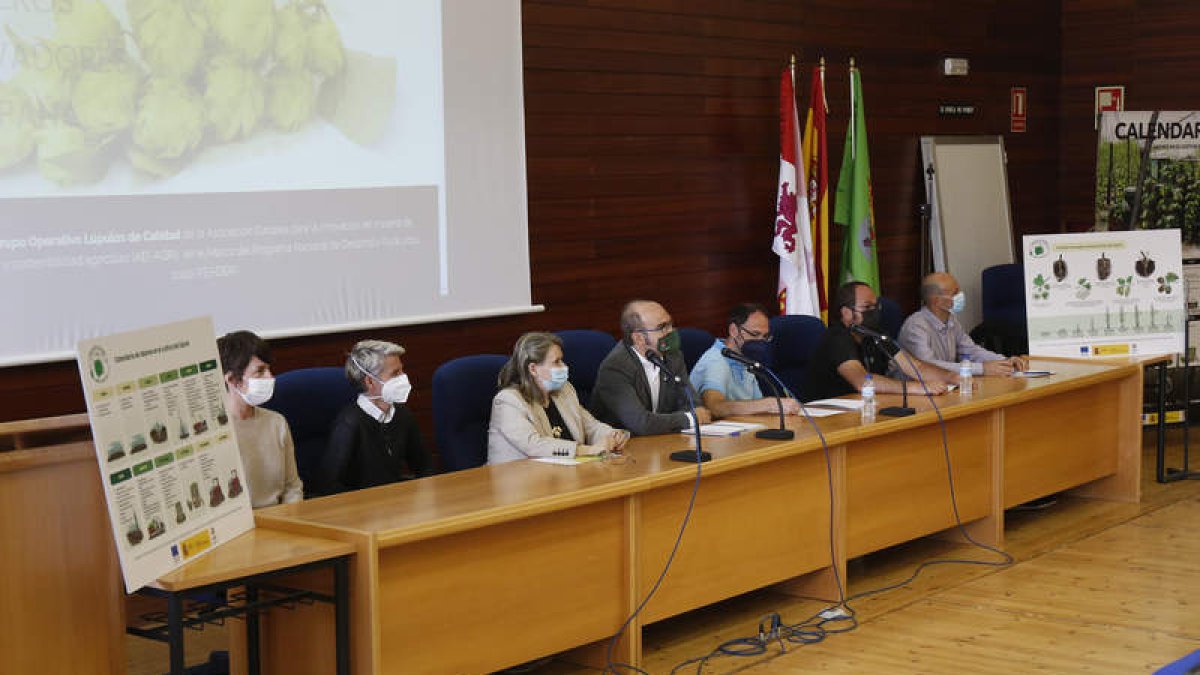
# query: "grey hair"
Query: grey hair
{"points": [[368, 356], [929, 289]]}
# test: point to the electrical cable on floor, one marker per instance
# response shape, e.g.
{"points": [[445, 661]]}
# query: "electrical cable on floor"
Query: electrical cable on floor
{"points": [[815, 628]]}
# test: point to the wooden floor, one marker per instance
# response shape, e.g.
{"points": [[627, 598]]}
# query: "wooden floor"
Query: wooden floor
{"points": [[1097, 587]]}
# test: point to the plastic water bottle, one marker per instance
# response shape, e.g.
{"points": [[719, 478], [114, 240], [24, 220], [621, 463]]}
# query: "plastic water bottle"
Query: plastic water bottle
{"points": [[868, 399], [966, 372]]}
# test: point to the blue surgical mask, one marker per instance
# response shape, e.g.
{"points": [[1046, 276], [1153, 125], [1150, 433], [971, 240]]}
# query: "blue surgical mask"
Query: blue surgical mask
{"points": [[958, 303], [558, 377]]}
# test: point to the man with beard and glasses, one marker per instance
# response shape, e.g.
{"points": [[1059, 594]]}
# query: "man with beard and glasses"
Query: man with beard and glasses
{"points": [[842, 359], [634, 393], [728, 387]]}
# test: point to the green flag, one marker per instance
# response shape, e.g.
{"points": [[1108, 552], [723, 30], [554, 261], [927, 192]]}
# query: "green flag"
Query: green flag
{"points": [[853, 208]]}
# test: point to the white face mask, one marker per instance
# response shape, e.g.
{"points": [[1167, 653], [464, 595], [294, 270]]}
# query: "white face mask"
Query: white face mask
{"points": [[396, 390], [258, 390]]}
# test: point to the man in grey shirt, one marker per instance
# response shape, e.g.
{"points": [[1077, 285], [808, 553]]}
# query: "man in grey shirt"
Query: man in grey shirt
{"points": [[934, 335]]}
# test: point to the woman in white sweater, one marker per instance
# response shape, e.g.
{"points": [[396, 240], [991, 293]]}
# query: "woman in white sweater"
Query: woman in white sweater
{"points": [[537, 414], [268, 455]]}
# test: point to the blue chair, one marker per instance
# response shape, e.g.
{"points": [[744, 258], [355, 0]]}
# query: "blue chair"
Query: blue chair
{"points": [[1004, 328], [796, 337], [694, 342], [463, 390], [310, 399], [584, 350], [891, 316], [1003, 293]]}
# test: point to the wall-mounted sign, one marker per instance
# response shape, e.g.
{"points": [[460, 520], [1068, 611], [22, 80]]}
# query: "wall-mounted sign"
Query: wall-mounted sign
{"points": [[1018, 109], [1109, 99], [956, 110]]}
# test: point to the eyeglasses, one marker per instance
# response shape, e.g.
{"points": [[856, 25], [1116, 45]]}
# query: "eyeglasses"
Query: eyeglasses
{"points": [[755, 335], [868, 308], [664, 327]]}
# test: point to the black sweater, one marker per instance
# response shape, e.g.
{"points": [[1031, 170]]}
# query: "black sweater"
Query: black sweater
{"points": [[364, 452]]}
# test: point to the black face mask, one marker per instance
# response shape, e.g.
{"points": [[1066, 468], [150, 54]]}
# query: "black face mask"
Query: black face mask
{"points": [[873, 319], [758, 350]]}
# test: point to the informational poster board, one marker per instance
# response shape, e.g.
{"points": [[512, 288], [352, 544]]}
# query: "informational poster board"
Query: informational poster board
{"points": [[168, 456], [970, 226], [1105, 293]]}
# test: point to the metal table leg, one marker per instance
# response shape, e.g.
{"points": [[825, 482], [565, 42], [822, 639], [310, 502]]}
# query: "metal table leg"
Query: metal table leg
{"points": [[1160, 466], [253, 644]]}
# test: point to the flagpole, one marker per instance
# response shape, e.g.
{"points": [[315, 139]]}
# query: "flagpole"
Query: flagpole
{"points": [[824, 99], [853, 126]]}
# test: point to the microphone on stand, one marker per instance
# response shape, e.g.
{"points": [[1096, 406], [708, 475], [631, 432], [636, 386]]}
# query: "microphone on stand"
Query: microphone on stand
{"points": [[683, 455], [890, 349], [782, 433], [657, 359]]}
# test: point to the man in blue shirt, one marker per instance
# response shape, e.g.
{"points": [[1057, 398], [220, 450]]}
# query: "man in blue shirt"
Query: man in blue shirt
{"points": [[726, 386]]}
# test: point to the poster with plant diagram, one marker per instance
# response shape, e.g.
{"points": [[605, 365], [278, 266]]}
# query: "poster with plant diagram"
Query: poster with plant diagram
{"points": [[1105, 293], [168, 456]]}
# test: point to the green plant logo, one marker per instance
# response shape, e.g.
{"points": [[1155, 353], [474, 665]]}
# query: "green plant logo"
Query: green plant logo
{"points": [[1038, 248], [1124, 286], [98, 365], [1083, 288]]}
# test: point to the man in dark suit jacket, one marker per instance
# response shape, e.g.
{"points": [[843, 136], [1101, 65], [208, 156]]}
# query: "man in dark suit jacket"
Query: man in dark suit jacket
{"points": [[634, 394]]}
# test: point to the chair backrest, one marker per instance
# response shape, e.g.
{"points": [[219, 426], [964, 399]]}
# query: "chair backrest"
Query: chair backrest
{"points": [[795, 339], [1003, 291], [463, 390], [694, 342], [310, 399], [891, 316], [584, 350]]}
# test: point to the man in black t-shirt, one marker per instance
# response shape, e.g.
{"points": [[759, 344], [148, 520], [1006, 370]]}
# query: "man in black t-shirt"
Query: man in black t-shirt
{"points": [[842, 359]]}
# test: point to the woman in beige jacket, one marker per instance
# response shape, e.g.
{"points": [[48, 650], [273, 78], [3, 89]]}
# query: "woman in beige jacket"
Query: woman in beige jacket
{"points": [[537, 414]]}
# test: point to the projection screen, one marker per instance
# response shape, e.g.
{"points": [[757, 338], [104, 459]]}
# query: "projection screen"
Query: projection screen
{"points": [[289, 167]]}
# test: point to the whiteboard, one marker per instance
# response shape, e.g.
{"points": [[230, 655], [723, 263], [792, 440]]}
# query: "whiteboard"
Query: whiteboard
{"points": [[970, 226]]}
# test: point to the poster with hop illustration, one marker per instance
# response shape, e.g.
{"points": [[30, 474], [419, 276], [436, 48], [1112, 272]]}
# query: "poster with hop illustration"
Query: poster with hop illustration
{"points": [[1098, 294]]}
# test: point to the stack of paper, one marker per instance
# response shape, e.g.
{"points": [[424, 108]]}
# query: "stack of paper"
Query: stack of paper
{"points": [[723, 428]]}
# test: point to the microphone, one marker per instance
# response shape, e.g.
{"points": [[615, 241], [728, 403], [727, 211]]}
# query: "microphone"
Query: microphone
{"points": [[749, 363], [782, 433], [885, 342], [890, 349], [698, 455], [657, 359]]}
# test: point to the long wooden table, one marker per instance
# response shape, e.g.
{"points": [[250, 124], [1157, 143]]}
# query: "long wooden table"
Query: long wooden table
{"points": [[482, 569]]}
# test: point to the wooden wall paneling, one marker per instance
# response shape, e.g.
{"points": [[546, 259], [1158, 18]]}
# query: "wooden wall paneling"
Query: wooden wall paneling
{"points": [[652, 148]]}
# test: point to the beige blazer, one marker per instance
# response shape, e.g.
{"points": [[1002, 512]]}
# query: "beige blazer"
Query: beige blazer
{"points": [[519, 430]]}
